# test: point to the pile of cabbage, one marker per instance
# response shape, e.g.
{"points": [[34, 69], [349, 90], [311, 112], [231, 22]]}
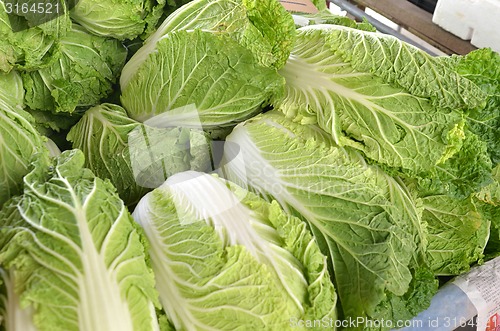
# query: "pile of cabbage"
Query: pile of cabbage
{"points": [[211, 165]]}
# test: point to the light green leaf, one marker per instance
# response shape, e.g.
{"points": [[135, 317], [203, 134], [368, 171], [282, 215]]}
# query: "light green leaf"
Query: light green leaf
{"points": [[465, 173], [77, 254], [200, 78], [491, 193], [28, 42], [11, 89], [483, 68], [457, 233]]}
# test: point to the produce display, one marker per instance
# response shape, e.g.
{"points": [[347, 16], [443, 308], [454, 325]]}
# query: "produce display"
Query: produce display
{"points": [[211, 165]]}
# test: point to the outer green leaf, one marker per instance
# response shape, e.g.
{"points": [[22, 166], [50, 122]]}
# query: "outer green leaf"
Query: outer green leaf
{"points": [[19, 140], [49, 123], [77, 254], [118, 19], [404, 65], [227, 260], [320, 4], [133, 156], [422, 288], [463, 174], [82, 76], [263, 26], [492, 213], [457, 233], [366, 222], [271, 33], [489, 206], [360, 109], [200, 78], [491, 193], [483, 68]]}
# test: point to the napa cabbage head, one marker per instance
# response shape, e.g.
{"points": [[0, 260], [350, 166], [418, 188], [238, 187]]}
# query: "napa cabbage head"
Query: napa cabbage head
{"points": [[367, 222], [86, 69], [118, 19], [263, 27], [225, 259], [74, 253], [482, 66], [30, 41]]}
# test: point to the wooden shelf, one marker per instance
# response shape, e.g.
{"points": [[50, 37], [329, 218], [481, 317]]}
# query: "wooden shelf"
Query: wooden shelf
{"points": [[419, 22]]}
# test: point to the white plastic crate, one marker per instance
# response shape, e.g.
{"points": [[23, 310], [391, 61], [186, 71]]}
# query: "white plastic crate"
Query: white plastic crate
{"points": [[474, 20]]}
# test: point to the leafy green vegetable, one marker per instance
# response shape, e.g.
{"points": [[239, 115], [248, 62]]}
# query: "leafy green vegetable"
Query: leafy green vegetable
{"points": [[19, 140], [374, 93], [26, 41], [363, 219], [463, 174], [77, 256], [227, 260], [404, 65], [491, 193], [49, 123], [84, 73], [136, 157], [483, 68], [489, 206], [372, 165], [118, 19], [263, 26], [457, 233], [319, 4], [201, 78]]}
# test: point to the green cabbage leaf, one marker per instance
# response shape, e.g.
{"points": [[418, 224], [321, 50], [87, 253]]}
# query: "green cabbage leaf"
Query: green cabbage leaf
{"points": [[19, 140], [30, 41], [83, 74], [118, 19]]}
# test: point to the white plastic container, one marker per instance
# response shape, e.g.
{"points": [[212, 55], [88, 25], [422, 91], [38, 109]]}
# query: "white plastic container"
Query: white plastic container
{"points": [[474, 20], [476, 293]]}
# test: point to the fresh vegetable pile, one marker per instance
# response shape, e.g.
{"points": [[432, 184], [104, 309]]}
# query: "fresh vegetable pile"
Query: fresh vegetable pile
{"points": [[209, 165]]}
